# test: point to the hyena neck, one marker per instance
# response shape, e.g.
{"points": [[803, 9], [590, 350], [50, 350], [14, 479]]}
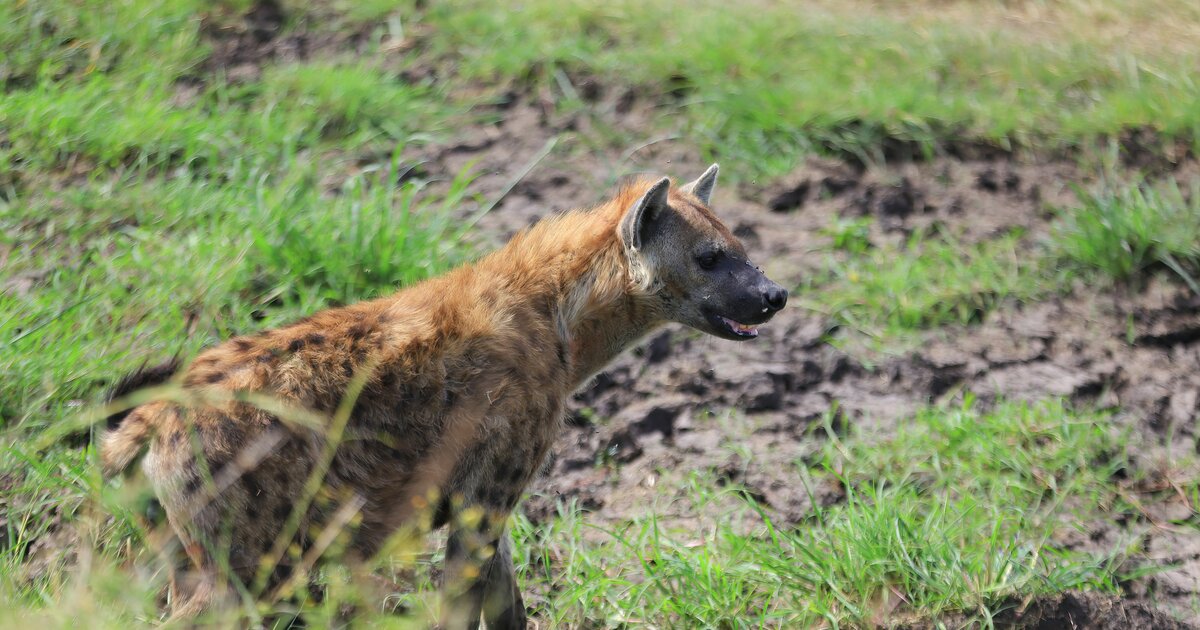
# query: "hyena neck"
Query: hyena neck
{"points": [[610, 323], [582, 272]]}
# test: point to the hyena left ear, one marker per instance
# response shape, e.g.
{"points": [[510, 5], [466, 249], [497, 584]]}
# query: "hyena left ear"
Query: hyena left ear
{"points": [[703, 186], [638, 223]]}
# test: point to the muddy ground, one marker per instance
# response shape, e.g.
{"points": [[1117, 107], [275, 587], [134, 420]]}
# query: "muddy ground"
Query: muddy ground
{"points": [[662, 412]]}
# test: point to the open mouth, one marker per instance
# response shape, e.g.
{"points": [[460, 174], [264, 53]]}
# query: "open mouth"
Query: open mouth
{"points": [[746, 331]]}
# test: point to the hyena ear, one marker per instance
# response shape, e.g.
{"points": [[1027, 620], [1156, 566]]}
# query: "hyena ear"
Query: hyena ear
{"points": [[703, 186], [639, 221]]}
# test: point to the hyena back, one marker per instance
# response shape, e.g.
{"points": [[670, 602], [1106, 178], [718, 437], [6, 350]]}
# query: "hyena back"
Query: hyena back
{"points": [[436, 402]]}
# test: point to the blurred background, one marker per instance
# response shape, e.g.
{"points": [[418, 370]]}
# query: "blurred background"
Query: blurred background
{"points": [[979, 408]]}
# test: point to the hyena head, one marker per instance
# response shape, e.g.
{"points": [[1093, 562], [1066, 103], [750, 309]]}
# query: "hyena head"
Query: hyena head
{"points": [[695, 270]]}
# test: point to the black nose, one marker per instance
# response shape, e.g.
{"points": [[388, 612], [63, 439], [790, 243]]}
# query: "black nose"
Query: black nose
{"points": [[776, 297]]}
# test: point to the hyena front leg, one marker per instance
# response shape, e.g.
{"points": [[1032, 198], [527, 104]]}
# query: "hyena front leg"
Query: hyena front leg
{"points": [[503, 608], [462, 586], [479, 579]]}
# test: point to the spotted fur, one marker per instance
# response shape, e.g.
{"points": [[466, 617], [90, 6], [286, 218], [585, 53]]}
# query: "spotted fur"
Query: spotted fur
{"points": [[451, 391]]}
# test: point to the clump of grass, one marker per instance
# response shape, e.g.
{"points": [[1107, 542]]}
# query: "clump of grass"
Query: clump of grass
{"points": [[114, 274], [852, 236], [340, 100], [111, 121], [48, 40], [371, 237], [926, 283], [955, 514], [1126, 231]]}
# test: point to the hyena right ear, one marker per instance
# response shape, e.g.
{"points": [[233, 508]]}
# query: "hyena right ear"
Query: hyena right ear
{"points": [[638, 223]]}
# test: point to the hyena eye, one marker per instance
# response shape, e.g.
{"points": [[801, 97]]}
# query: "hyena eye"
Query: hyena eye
{"points": [[708, 260]]}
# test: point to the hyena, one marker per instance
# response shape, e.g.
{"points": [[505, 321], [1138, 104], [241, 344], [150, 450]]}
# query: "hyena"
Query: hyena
{"points": [[435, 405]]}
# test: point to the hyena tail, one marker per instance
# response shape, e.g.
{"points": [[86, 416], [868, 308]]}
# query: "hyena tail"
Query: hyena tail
{"points": [[127, 430]]}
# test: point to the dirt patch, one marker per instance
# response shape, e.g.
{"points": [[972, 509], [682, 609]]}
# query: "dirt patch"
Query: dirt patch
{"points": [[1087, 610], [1074, 610], [242, 44]]}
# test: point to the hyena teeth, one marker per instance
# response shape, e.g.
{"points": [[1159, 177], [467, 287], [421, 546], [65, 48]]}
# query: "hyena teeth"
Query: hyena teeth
{"points": [[744, 329]]}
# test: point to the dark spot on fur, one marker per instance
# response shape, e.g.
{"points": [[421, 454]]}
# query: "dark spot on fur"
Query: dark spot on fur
{"points": [[296, 345], [214, 377], [253, 488], [562, 353], [217, 461], [515, 474], [265, 357], [315, 339], [495, 497], [192, 485], [176, 438], [297, 447], [252, 509], [358, 331], [348, 367], [243, 344], [503, 471], [282, 478], [282, 511], [485, 523], [222, 430], [449, 397]]}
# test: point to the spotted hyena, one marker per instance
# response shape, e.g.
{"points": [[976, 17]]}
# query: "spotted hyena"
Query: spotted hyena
{"points": [[433, 406]]}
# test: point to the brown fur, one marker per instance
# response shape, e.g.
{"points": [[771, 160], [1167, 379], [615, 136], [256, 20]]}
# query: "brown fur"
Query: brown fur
{"points": [[463, 380]]}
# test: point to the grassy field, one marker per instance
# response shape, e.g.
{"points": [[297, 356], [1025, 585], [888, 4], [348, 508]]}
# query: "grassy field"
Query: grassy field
{"points": [[154, 202]]}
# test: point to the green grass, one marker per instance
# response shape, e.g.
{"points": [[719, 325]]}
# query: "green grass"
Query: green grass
{"points": [[1124, 232], [142, 269], [140, 220], [65, 41], [1120, 233], [958, 513], [928, 282], [764, 82], [149, 209]]}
